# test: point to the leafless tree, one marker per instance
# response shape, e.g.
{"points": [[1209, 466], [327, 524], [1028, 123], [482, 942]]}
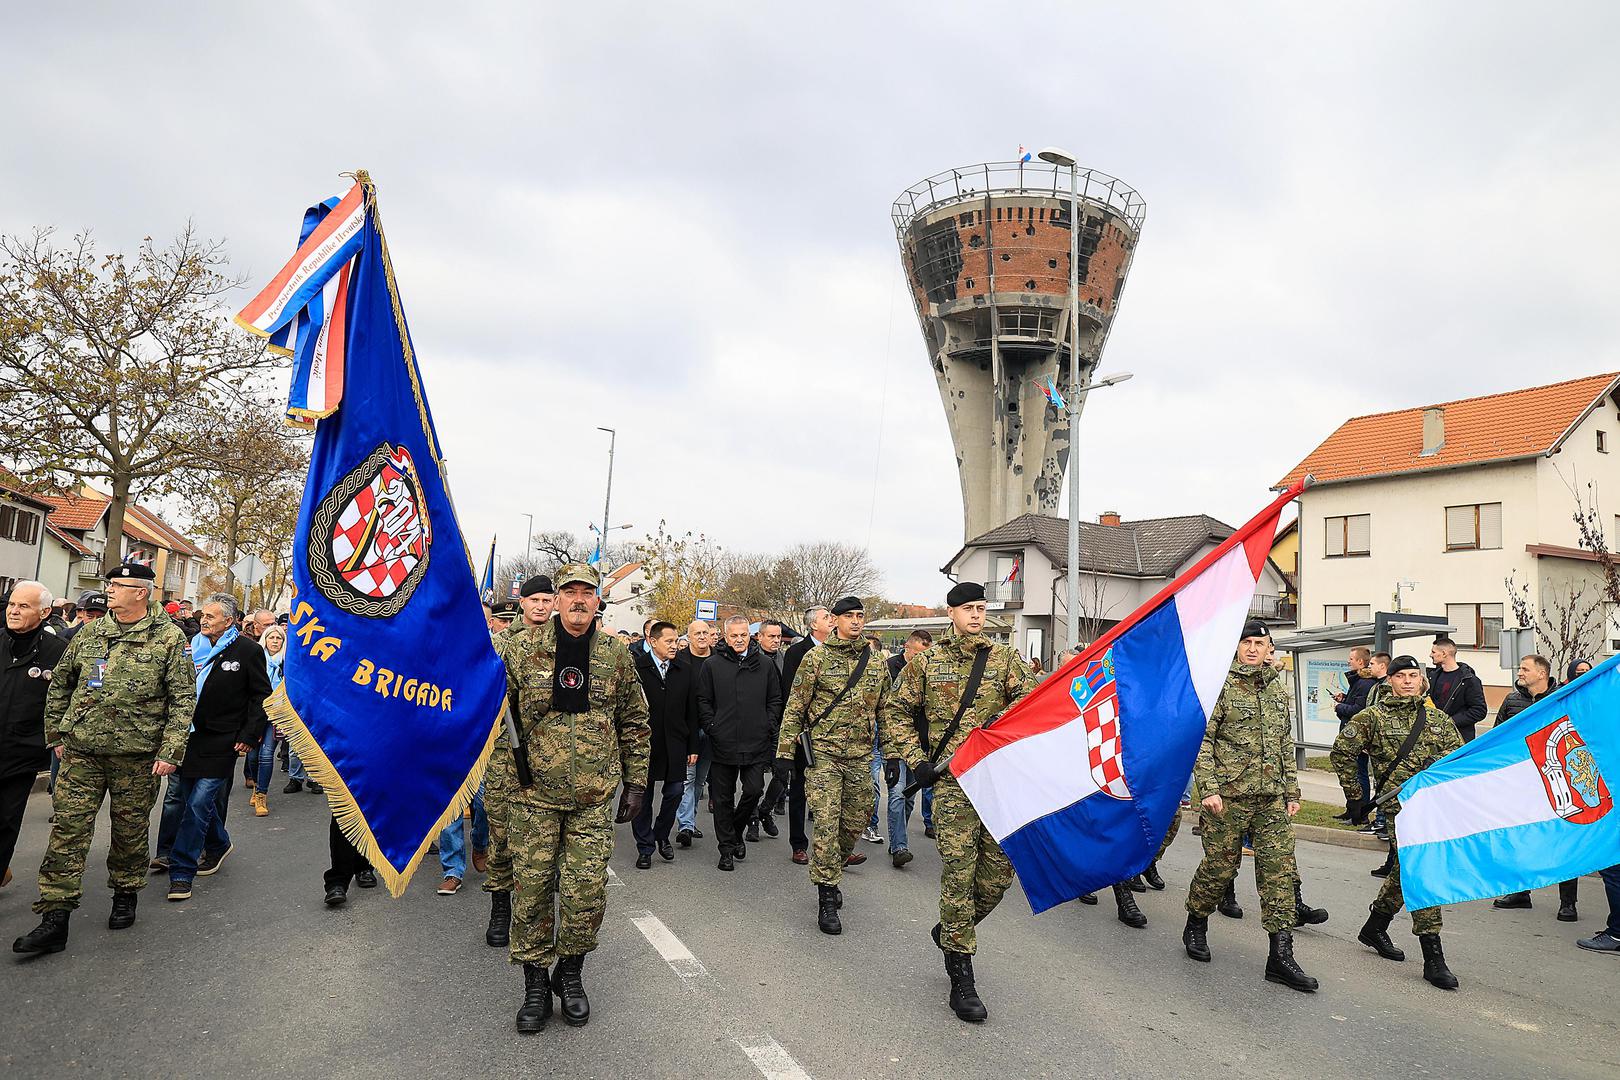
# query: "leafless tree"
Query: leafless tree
{"points": [[828, 569], [1569, 621]]}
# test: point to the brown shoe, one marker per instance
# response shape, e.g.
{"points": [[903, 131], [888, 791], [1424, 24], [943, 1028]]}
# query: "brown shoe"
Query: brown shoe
{"points": [[5, 878], [801, 857], [450, 886], [855, 859], [259, 807], [480, 860]]}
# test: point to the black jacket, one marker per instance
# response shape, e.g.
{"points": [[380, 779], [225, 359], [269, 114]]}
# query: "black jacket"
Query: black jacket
{"points": [[1520, 700], [739, 700], [1465, 703], [791, 661], [672, 713], [1355, 698], [22, 703], [230, 711]]}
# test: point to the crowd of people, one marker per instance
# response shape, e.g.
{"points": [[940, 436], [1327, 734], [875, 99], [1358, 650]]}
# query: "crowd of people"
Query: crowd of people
{"points": [[747, 723]]}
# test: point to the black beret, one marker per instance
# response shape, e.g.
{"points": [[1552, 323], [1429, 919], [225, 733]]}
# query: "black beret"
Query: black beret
{"points": [[965, 592], [1255, 628], [537, 584], [130, 572], [847, 605], [1403, 663]]}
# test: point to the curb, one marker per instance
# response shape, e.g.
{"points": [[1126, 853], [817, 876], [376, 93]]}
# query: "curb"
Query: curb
{"points": [[1319, 834]]}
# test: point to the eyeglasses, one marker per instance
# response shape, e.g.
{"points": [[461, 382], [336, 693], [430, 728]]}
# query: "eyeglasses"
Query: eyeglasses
{"points": [[123, 585]]}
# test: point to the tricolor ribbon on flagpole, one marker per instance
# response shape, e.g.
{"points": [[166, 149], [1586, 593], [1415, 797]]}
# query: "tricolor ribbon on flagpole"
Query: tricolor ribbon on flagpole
{"points": [[303, 311]]}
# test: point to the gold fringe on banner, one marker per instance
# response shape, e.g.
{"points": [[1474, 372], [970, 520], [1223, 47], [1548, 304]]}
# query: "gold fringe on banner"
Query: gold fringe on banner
{"points": [[351, 820]]}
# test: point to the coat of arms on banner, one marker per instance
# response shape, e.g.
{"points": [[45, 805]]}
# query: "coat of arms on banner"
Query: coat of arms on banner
{"points": [[1097, 695], [1569, 773], [370, 537]]}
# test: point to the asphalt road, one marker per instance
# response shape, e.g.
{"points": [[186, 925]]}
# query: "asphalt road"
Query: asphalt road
{"points": [[701, 973]]}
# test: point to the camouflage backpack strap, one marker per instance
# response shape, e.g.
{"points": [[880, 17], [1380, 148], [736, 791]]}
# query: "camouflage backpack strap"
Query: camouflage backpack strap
{"points": [[1418, 723], [854, 677]]}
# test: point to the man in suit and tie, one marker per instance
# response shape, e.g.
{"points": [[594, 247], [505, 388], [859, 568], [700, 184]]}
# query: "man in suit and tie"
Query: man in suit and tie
{"points": [[668, 677]]}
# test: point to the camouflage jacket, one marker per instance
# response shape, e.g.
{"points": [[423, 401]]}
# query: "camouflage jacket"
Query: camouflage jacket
{"points": [[851, 729], [931, 688], [1248, 749], [1379, 732], [578, 759], [124, 690]]}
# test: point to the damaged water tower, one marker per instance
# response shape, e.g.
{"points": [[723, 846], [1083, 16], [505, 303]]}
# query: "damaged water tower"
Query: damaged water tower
{"points": [[986, 254]]}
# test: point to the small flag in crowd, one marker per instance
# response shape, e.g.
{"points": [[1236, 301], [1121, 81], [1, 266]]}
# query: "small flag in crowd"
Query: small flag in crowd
{"points": [[1050, 392], [1023, 155], [1528, 803], [1078, 781], [397, 733], [486, 586]]}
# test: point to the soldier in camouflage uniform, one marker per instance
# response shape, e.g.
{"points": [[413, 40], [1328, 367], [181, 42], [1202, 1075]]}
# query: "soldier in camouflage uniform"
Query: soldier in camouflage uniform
{"points": [[583, 721], [838, 784], [117, 715], [1380, 732], [974, 873], [1245, 776], [539, 599]]}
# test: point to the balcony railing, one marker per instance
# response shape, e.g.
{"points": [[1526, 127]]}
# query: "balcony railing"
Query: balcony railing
{"points": [[1279, 608], [1005, 591]]}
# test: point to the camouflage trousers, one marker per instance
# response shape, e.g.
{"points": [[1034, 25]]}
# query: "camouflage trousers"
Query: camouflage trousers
{"points": [[559, 869], [499, 780], [1389, 900], [81, 783], [1169, 834], [839, 792], [974, 874], [1265, 820]]}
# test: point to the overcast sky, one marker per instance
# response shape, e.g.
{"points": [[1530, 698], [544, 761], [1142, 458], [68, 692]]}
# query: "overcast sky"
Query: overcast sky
{"points": [[673, 220]]}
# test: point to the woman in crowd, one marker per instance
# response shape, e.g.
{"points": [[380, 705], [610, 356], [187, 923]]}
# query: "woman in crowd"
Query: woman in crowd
{"points": [[274, 643]]}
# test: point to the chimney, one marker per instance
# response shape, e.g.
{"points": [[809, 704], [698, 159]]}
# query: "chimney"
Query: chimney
{"points": [[1434, 429], [1108, 517]]}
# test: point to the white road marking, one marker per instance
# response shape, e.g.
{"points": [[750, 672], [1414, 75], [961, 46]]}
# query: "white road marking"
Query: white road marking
{"points": [[670, 947], [613, 879], [1508, 1021], [773, 1062]]}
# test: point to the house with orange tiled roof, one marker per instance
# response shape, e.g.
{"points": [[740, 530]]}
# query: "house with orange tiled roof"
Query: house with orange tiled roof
{"points": [[77, 533], [1441, 503]]}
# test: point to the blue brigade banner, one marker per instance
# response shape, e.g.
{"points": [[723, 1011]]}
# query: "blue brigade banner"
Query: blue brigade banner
{"points": [[393, 694]]}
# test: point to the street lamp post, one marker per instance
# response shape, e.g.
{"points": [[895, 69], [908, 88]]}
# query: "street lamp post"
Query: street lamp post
{"points": [[528, 543], [1077, 392], [607, 502]]}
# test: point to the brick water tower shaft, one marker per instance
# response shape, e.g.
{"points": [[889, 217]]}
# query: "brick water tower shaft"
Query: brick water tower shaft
{"points": [[986, 255]]}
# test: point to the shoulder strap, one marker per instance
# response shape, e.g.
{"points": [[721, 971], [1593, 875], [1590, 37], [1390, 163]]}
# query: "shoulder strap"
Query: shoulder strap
{"points": [[975, 677], [1405, 750], [854, 677]]}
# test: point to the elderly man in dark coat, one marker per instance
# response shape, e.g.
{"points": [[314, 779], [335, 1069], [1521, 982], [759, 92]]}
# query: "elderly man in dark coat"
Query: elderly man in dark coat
{"points": [[27, 655], [233, 680], [669, 679]]}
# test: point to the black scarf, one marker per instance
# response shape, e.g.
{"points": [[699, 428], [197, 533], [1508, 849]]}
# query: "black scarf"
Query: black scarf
{"points": [[571, 687], [23, 642]]}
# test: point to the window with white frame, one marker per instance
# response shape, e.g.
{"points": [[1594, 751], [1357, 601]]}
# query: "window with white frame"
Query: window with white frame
{"points": [[1474, 527], [1335, 614], [1479, 626], [1350, 534]]}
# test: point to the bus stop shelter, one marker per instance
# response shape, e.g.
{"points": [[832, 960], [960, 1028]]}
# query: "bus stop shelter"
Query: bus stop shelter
{"points": [[1321, 663]]}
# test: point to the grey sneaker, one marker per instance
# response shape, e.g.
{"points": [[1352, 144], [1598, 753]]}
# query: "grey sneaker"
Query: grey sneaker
{"points": [[1602, 941], [871, 837]]}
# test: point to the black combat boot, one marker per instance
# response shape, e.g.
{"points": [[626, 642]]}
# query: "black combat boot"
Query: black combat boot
{"points": [[1090, 899], [1512, 900], [1434, 963], [1566, 901], [827, 916], [569, 987], [1136, 884], [536, 1008], [1375, 935], [1304, 914], [1151, 876], [965, 1001], [1281, 967], [49, 936], [1388, 865], [123, 910], [1129, 913], [1196, 937], [499, 933], [1229, 905], [752, 834]]}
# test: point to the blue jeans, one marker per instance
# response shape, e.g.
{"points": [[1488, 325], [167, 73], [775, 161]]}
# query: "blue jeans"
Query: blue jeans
{"points": [[201, 826], [928, 807], [453, 839], [696, 776], [174, 805], [295, 768], [267, 758], [877, 783], [900, 810]]}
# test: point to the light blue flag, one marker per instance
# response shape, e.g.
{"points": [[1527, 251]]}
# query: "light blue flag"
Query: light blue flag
{"points": [[1528, 803]]}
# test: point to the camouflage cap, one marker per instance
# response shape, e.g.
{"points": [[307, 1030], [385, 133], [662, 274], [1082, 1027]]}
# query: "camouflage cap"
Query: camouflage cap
{"points": [[580, 572]]}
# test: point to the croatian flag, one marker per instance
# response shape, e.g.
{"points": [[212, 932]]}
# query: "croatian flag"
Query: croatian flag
{"points": [[1023, 155], [1524, 805], [1078, 781], [1012, 575], [1050, 392]]}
